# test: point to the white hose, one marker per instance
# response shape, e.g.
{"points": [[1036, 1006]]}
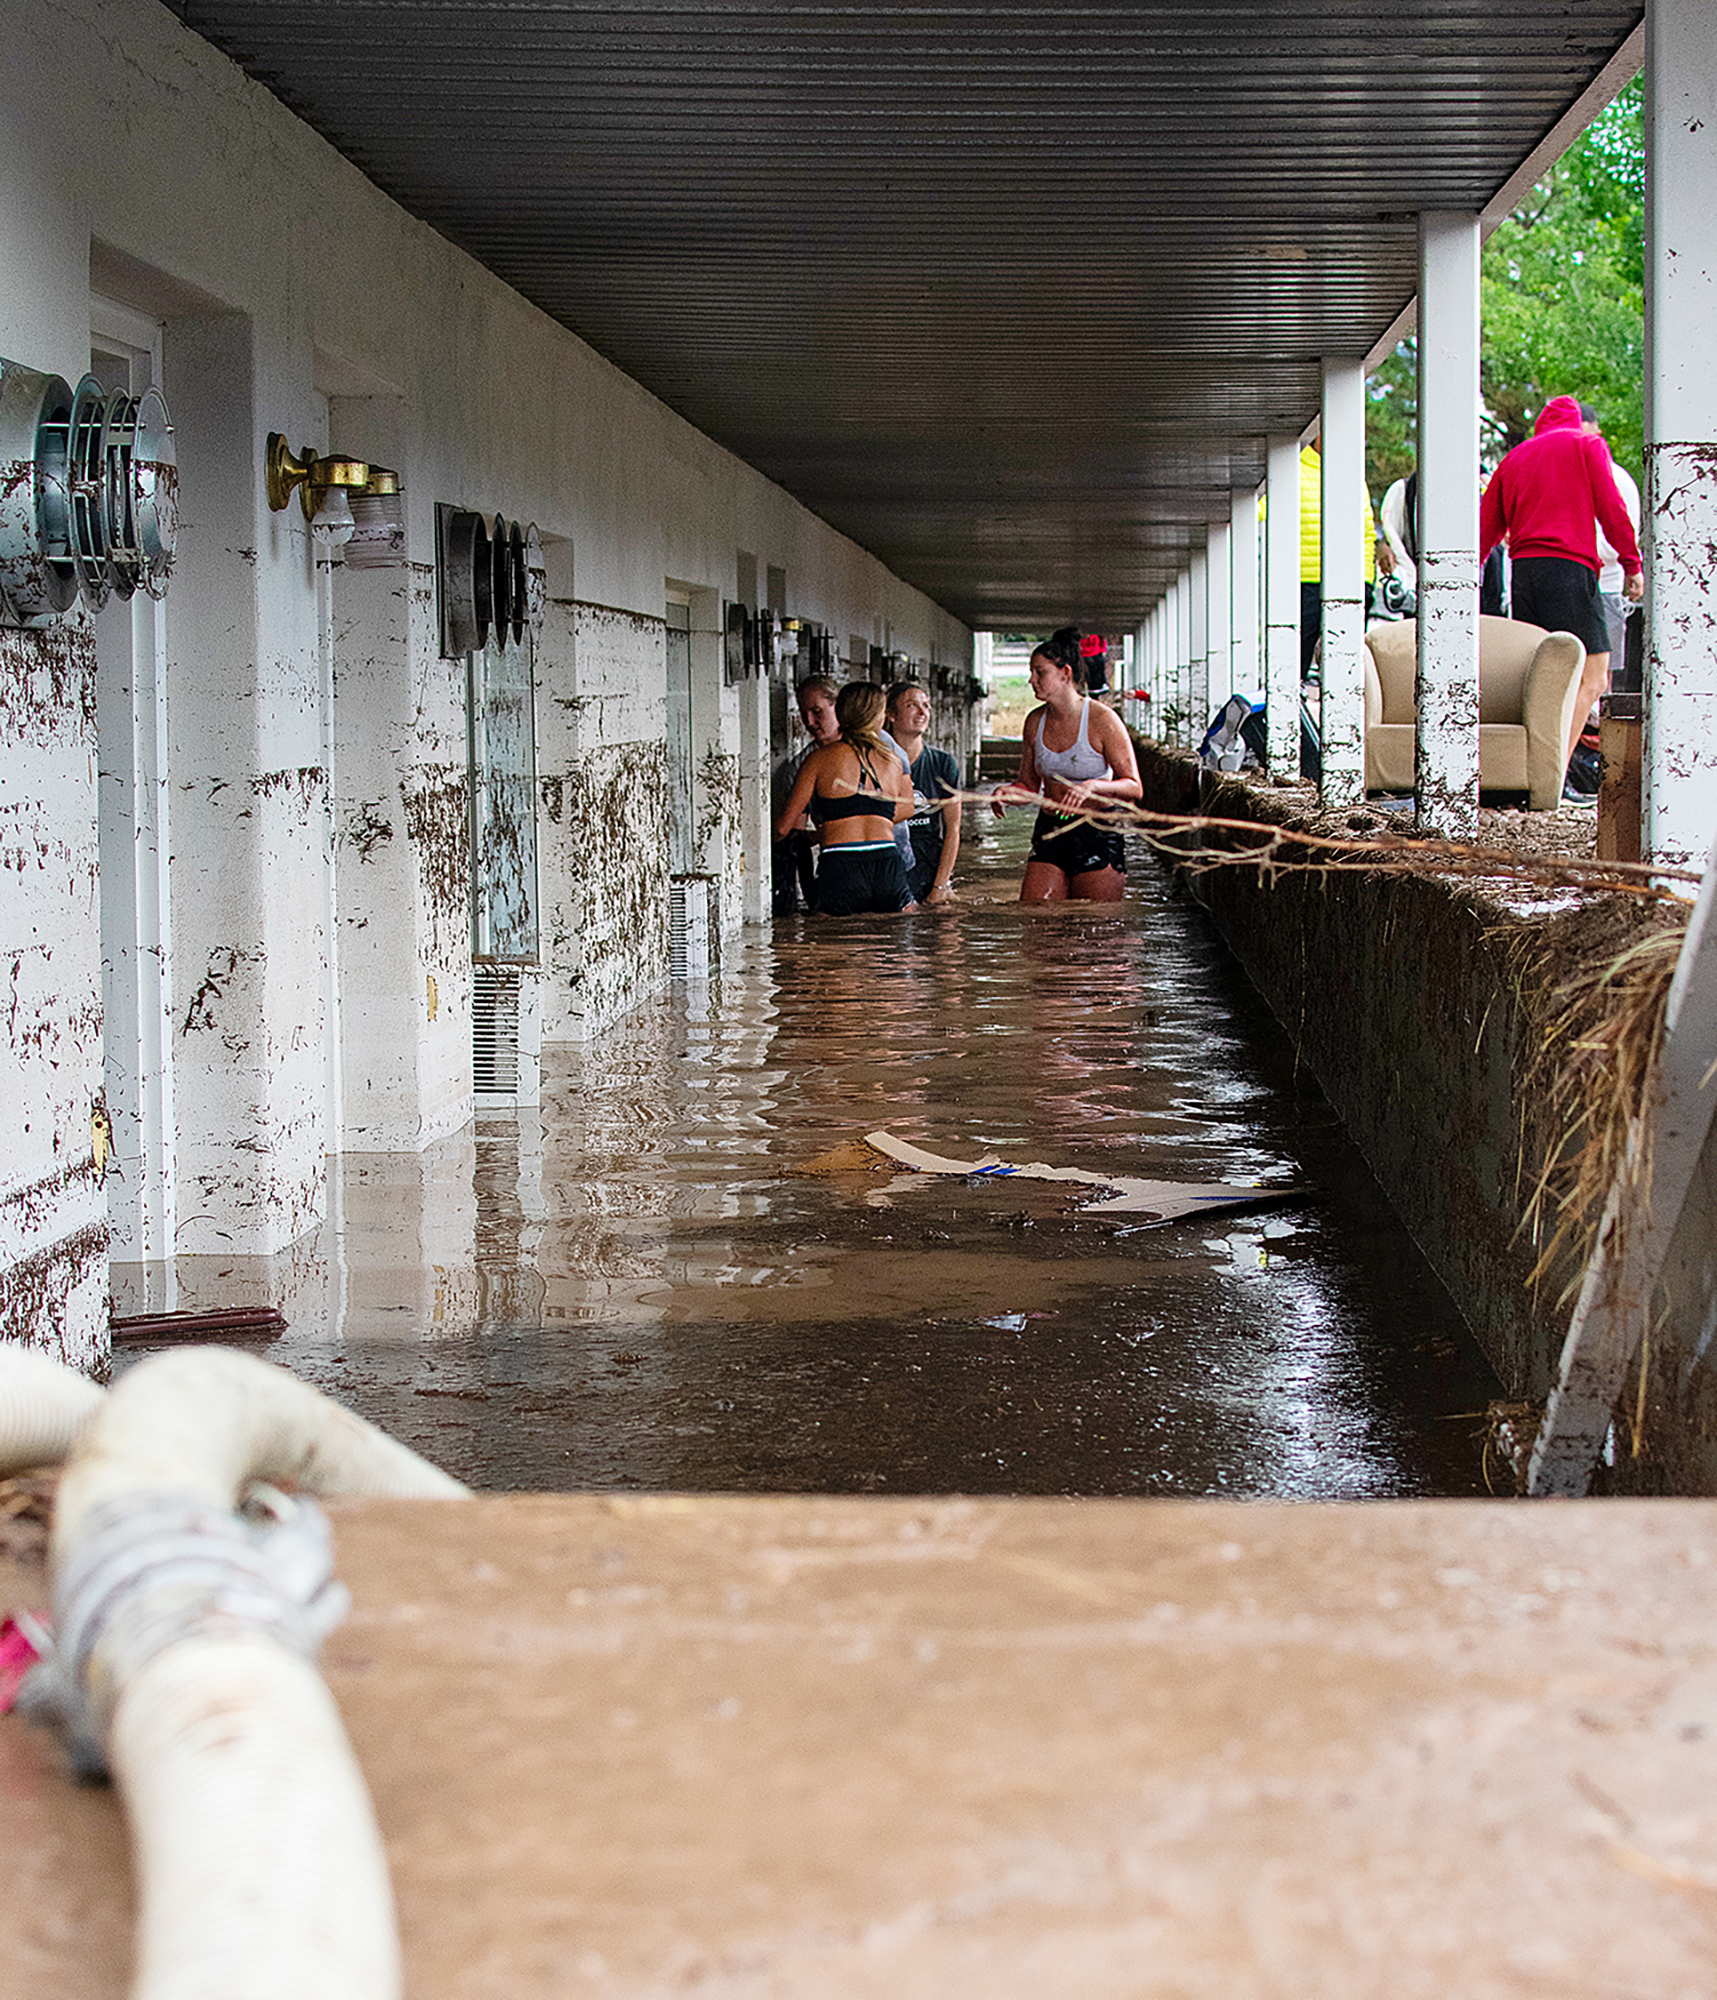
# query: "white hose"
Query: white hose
{"points": [[260, 1874], [185, 1640], [207, 1420], [43, 1406]]}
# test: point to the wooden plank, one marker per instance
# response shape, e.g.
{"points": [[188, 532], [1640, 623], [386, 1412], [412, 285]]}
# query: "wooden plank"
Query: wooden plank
{"points": [[1619, 733], [1639, 1219]]}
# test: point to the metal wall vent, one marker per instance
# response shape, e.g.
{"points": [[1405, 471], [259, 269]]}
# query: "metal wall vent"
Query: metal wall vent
{"points": [[495, 1030], [694, 928], [492, 580]]}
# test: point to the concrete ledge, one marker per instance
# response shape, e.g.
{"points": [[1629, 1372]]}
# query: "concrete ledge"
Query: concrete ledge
{"points": [[1418, 1005], [755, 1748]]}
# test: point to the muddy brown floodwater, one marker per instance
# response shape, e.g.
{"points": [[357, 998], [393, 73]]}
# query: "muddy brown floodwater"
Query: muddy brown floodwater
{"points": [[641, 1286]]}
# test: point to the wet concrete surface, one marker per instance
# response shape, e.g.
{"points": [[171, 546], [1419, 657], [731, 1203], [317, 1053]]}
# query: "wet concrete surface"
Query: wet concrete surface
{"points": [[641, 1286]]}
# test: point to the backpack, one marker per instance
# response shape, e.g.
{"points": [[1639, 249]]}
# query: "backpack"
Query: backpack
{"points": [[1229, 744], [1585, 767]]}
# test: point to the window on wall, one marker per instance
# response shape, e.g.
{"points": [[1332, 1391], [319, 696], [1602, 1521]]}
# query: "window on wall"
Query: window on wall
{"points": [[502, 716]]}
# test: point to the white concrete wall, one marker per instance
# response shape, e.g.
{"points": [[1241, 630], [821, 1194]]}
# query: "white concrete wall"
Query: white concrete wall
{"points": [[53, 1215], [295, 297]]}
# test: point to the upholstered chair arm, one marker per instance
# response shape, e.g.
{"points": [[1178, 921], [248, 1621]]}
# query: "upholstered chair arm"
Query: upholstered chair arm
{"points": [[1373, 692], [1552, 682]]}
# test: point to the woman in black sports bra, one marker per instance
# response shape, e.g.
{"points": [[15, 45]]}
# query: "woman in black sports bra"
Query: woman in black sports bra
{"points": [[855, 790]]}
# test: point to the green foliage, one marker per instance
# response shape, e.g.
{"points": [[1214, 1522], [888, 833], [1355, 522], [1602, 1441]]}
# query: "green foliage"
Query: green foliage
{"points": [[1563, 304], [1564, 290], [1392, 419]]}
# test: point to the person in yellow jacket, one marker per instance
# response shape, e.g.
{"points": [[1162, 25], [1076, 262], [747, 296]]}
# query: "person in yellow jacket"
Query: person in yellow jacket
{"points": [[1311, 553]]}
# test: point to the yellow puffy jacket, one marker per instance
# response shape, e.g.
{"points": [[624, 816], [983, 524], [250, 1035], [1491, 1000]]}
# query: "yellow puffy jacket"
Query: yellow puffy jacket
{"points": [[1311, 520]]}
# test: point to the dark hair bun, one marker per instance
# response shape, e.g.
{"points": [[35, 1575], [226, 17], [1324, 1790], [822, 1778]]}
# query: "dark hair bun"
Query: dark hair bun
{"points": [[1062, 647]]}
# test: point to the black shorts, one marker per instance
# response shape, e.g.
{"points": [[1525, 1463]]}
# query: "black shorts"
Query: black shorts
{"points": [[1077, 847], [859, 878], [1562, 596]]}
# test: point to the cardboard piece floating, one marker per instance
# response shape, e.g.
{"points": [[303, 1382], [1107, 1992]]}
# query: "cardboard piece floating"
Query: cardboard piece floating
{"points": [[1160, 1201]]}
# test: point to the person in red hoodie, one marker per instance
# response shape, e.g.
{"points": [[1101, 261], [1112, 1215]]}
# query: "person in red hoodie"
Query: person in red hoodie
{"points": [[1545, 497]]}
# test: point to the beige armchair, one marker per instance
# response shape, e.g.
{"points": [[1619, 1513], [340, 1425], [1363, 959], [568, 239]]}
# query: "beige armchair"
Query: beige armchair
{"points": [[1528, 680]]}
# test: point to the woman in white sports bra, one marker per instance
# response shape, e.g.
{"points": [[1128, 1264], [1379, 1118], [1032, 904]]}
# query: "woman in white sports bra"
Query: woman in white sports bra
{"points": [[1074, 753]]}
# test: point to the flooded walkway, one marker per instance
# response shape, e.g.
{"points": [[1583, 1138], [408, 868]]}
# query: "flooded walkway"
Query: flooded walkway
{"points": [[641, 1285]]}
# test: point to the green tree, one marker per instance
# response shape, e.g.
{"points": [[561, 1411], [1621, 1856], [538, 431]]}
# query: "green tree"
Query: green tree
{"points": [[1563, 302], [1392, 419], [1564, 290]]}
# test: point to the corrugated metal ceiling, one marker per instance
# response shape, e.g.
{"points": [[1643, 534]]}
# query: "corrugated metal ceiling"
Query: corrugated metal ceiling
{"points": [[1010, 294]]}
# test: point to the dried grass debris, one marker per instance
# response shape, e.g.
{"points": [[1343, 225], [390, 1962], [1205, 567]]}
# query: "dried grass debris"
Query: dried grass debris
{"points": [[1598, 1046]]}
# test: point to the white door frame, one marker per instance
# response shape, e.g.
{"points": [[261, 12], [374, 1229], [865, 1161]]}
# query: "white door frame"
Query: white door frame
{"points": [[136, 906]]}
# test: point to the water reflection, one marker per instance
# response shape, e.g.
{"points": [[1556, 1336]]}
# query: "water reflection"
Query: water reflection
{"points": [[640, 1285]]}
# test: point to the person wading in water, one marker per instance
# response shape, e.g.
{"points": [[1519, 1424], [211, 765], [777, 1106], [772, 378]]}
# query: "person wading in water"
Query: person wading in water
{"points": [[855, 790], [935, 822], [1076, 754]]}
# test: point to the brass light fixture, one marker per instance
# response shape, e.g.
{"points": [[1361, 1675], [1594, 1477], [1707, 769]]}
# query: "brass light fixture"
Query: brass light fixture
{"points": [[313, 474]]}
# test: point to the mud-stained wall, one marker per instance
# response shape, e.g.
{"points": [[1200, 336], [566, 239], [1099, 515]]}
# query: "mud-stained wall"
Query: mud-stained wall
{"points": [[602, 785], [319, 875], [1421, 1006], [53, 1214], [249, 817], [402, 864]]}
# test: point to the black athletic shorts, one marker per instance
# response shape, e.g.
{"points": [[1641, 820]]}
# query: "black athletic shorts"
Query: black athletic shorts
{"points": [[1076, 847], [854, 879], [1562, 596]]}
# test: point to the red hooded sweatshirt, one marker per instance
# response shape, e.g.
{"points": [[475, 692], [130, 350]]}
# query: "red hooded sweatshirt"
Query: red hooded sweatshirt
{"points": [[1548, 492]]}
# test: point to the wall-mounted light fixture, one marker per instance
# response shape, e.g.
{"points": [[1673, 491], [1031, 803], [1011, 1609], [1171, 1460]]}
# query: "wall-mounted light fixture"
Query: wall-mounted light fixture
{"points": [[88, 494], [313, 475], [378, 515], [349, 503]]}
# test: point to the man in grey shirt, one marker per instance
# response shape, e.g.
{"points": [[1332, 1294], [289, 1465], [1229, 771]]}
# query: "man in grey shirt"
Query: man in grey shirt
{"points": [[1616, 606]]}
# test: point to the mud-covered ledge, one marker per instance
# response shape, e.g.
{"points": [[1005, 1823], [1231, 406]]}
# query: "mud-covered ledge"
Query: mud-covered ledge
{"points": [[1420, 1006]]}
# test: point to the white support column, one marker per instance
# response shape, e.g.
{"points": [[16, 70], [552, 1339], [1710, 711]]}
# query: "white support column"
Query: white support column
{"points": [[1342, 569], [1219, 618], [1183, 651], [1245, 674], [1282, 603], [1446, 756], [1680, 500], [1146, 716], [1198, 648], [1168, 659]]}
